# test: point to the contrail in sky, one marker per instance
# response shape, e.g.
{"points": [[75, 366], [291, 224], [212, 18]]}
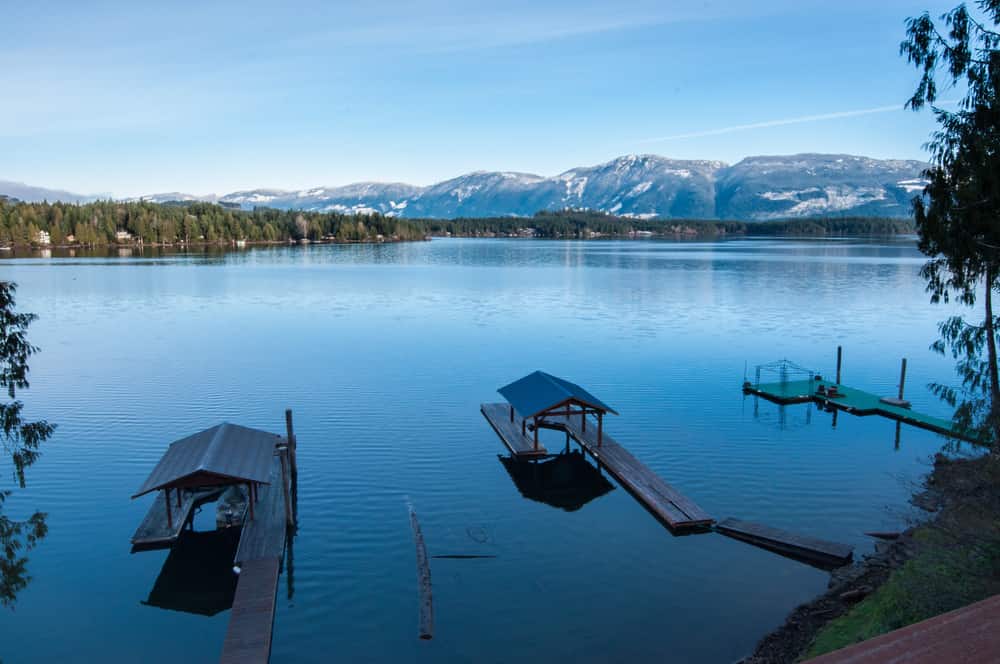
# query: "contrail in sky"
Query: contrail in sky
{"points": [[780, 123]]}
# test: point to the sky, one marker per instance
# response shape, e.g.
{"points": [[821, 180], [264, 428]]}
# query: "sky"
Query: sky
{"points": [[132, 98]]}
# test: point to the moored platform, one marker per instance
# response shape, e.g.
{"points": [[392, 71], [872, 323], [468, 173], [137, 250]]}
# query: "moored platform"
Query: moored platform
{"points": [[851, 400]]}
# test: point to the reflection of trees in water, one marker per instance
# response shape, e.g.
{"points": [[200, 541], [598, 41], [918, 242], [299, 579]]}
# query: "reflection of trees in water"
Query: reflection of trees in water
{"points": [[20, 441]]}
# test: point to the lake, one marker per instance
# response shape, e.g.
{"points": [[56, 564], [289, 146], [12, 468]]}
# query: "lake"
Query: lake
{"points": [[384, 353]]}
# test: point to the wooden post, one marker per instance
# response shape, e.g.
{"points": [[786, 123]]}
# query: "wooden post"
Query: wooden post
{"points": [[293, 463], [600, 427], [524, 427], [292, 457], [583, 419], [839, 358], [536, 433], [289, 516], [511, 413], [250, 488], [170, 521], [902, 378], [179, 498]]}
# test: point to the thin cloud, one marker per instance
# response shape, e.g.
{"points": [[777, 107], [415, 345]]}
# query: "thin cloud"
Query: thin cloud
{"points": [[780, 123]]}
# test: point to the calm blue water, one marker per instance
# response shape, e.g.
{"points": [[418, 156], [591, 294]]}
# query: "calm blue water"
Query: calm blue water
{"points": [[385, 353]]}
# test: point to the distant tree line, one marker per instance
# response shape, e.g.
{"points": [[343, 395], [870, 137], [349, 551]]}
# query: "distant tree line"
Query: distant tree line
{"points": [[110, 222], [587, 223]]}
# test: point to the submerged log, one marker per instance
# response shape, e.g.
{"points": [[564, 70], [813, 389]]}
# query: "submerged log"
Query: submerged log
{"points": [[423, 579]]}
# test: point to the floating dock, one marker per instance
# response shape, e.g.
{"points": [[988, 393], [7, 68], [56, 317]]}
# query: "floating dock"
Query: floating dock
{"points": [[808, 549], [850, 400]]}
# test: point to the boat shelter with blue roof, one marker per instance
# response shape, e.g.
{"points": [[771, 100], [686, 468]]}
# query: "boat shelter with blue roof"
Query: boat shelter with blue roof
{"points": [[540, 395]]}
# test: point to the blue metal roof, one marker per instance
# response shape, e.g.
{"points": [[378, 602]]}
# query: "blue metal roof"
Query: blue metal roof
{"points": [[228, 450], [540, 391]]}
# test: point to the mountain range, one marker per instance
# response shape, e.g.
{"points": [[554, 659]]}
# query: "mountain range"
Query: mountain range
{"points": [[643, 186]]}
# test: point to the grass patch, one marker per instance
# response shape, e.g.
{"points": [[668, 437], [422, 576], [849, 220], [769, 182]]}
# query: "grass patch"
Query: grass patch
{"points": [[958, 563]]}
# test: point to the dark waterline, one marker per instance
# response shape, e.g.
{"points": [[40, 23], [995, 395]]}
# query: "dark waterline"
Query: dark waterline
{"points": [[385, 352]]}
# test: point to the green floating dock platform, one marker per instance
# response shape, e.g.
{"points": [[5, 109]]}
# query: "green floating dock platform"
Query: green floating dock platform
{"points": [[850, 400]]}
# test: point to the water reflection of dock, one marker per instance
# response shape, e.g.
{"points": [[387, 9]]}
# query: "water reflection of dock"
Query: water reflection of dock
{"points": [[564, 481]]}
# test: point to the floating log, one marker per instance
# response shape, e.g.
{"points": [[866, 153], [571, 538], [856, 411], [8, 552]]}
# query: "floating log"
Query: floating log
{"points": [[423, 579]]}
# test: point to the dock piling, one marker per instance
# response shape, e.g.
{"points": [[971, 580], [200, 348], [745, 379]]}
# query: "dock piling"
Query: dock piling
{"points": [[840, 356], [902, 378]]}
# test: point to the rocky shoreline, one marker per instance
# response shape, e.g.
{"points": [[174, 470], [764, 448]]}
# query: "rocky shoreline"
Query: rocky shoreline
{"points": [[944, 487]]}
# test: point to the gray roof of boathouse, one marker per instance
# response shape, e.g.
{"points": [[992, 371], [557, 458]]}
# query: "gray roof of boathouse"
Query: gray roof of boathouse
{"points": [[229, 451], [540, 391]]}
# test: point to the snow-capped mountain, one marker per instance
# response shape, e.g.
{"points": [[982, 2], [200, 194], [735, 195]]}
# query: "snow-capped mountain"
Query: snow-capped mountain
{"points": [[814, 184], [647, 186], [28, 193]]}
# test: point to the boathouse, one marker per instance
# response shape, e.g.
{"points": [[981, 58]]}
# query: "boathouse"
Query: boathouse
{"points": [[224, 455], [541, 395]]}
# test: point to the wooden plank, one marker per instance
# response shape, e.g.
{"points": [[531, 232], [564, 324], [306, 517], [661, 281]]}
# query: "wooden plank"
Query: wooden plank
{"points": [[784, 541], [251, 622], [264, 535], [520, 445], [154, 529], [659, 497], [969, 635]]}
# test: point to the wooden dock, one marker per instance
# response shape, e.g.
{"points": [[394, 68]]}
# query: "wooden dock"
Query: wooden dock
{"points": [[661, 499], [251, 622], [154, 531], [853, 401], [511, 433], [261, 547], [808, 549], [264, 535]]}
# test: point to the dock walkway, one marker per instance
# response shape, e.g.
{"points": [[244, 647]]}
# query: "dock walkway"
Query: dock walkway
{"points": [[853, 401], [248, 639], [828, 554], [661, 499], [264, 536], [155, 531], [261, 547]]}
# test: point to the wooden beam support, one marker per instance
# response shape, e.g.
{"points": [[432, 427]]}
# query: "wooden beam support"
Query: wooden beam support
{"points": [[600, 428], [536, 433], [250, 488], [170, 520]]}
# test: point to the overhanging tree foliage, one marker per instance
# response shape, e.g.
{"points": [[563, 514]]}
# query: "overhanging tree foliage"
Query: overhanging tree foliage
{"points": [[20, 440], [957, 218]]}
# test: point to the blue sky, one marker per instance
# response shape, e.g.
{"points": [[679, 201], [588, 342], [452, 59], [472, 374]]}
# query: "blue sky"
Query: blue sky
{"points": [[130, 98]]}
